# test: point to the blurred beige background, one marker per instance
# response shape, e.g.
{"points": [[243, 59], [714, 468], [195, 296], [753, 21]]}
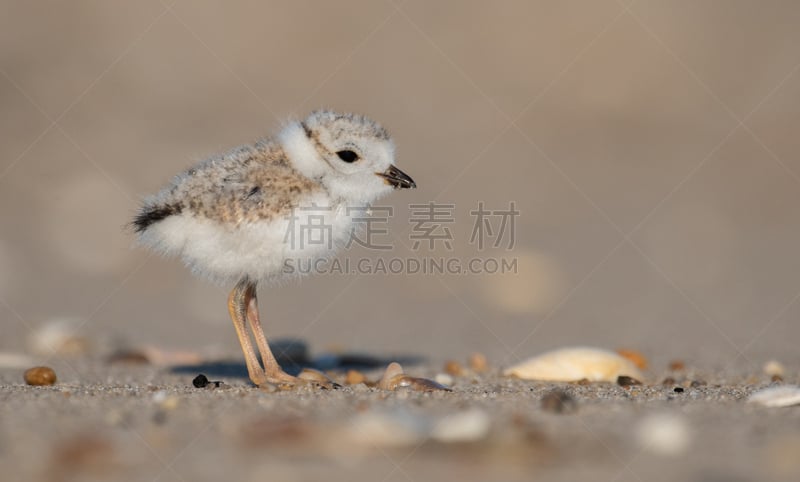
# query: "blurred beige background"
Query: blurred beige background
{"points": [[651, 150]]}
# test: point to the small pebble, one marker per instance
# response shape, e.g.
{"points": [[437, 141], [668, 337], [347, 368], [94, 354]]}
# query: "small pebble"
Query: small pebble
{"points": [[668, 381], [776, 379], [478, 363], [200, 381], [678, 389], [626, 381], [40, 376], [452, 367], [697, 383], [559, 401]]}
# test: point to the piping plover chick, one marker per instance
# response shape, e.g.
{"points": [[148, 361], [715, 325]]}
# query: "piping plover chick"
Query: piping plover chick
{"points": [[240, 216]]}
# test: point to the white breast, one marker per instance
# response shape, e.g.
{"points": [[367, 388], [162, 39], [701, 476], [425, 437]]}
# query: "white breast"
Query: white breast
{"points": [[259, 250]]}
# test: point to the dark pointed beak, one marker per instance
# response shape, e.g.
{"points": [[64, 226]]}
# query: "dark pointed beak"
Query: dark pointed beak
{"points": [[397, 178]]}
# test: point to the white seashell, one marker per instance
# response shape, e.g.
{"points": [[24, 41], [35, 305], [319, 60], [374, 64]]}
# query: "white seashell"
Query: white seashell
{"points": [[664, 434], [443, 379], [573, 364], [784, 396], [392, 371], [467, 426]]}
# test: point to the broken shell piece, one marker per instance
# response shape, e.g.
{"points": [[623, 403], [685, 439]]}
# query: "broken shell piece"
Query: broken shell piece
{"points": [[416, 384], [316, 376], [393, 370], [394, 378], [784, 396], [573, 364]]}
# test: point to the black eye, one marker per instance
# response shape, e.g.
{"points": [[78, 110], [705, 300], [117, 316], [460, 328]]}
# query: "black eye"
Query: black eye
{"points": [[347, 156]]}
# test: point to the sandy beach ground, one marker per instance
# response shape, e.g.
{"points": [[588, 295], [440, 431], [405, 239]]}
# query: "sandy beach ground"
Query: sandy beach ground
{"points": [[649, 148]]}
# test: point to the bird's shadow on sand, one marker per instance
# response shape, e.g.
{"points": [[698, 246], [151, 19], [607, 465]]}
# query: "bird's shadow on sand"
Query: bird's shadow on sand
{"points": [[293, 358]]}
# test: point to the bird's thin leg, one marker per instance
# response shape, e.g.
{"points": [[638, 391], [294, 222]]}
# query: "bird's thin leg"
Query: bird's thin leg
{"points": [[238, 301], [272, 369]]}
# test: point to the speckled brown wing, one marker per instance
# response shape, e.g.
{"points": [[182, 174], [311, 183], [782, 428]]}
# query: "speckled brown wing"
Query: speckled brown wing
{"points": [[247, 184]]}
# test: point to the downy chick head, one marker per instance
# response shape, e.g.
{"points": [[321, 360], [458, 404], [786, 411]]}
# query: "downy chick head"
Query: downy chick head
{"points": [[351, 155]]}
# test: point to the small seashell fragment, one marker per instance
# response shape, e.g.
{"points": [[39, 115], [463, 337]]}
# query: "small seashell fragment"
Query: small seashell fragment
{"points": [[415, 383], [40, 376], [393, 370], [774, 368], [664, 434], [780, 396], [316, 376], [478, 363], [394, 378], [467, 426], [573, 364]]}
